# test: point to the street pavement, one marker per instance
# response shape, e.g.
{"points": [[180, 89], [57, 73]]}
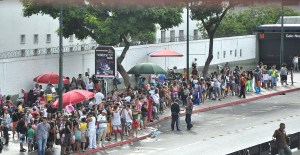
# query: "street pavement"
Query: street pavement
{"points": [[13, 148], [222, 131]]}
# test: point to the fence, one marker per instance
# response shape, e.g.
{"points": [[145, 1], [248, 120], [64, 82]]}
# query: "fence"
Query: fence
{"points": [[269, 147], [46, 51]]}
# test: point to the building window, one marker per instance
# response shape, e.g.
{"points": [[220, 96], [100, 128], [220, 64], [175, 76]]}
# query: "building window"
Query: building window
{"points": [[240, 52], [181, 35], [163, 36], [35, 52], [230, 52], [172, 36], [218, 56], [35, 38], [71, 37], [82, 48], [22, 39], [23, 52], [235, 53], [48, 51], [48, 38], [71, 49], [224, 54], [196, 35]]}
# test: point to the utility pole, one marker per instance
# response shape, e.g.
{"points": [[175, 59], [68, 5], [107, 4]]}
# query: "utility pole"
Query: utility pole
{"points": [[187, 43], [60, 84], [282, 37]]}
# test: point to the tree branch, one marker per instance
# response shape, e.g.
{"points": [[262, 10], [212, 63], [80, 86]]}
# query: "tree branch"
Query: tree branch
{"points": [[125, 49]]}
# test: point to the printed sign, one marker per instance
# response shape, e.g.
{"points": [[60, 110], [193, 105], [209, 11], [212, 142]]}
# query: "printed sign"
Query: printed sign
{"points": [[105, 61]]}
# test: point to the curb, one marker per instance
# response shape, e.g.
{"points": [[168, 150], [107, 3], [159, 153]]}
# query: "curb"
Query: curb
{"points": [[182, 114], [113, 145]]}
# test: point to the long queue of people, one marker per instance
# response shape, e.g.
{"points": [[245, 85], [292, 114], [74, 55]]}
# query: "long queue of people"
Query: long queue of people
{"points": [[92, 123]]}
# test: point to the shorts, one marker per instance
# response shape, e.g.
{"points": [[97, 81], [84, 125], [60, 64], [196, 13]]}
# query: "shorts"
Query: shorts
{"points": [[30, 141], [128, 125], [144, 114], [283, 77], [117, 129], [22, 138], [83, 136]]}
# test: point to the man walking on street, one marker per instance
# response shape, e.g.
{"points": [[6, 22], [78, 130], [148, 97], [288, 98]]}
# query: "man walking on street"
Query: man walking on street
{"points": [[175, 109], [189, 111], [295, 63], [281, 140], [42, 135]]}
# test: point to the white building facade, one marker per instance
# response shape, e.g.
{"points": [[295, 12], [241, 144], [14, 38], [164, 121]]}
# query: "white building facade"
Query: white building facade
{"points": [[34, 32]]}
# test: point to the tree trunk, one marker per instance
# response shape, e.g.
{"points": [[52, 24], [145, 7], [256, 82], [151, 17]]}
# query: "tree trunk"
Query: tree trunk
{"points": [[120, 59], [124, 74], [210, 56]]}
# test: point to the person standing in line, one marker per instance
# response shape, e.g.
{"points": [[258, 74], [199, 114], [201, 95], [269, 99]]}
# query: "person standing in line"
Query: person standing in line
{"points": [[295, 63], [281, 140], [175, 109], [91, 120], [42, 135], [243, 82], [21, 128], [189, 111], [283, 74]]}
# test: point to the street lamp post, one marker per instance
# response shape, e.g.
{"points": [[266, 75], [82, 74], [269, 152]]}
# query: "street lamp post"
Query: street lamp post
{"points": [[60, 84]]}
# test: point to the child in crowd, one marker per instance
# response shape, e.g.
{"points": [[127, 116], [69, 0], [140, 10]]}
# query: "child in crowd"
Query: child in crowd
{"points": [[83, 130], [30, 136], [77, 134]]}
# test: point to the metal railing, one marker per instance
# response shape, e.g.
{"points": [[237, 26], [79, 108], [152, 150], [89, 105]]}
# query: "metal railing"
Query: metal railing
{"points": [[269, 147], [47, 51], [178, 39]]}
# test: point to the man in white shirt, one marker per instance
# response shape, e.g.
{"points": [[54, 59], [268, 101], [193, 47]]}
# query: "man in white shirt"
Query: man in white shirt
{"points": [[90, 85], [156, 100], [295, 62], [91, 103], [98, 97], [128, 117]]}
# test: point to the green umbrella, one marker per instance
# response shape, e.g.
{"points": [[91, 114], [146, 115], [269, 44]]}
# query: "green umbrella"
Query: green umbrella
{"points": [[146, 68]]}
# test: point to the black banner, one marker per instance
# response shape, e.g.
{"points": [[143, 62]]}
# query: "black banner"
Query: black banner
{"points": [[105, 61]]}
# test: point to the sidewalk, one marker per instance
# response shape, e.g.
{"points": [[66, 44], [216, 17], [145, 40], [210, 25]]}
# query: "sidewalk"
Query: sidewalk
{"points": [[208, 105]]}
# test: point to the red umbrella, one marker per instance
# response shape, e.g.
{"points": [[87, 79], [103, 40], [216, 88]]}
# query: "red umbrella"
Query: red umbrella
{"points": [[74, 97], [50, 78], [166, 53]]}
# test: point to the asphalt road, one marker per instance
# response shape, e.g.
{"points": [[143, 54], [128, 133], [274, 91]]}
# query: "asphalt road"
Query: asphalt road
{"points": [[223, 130]]}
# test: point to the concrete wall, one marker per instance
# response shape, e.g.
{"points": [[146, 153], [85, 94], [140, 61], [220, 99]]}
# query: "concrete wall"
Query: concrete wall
{"points": [[18, 73]]}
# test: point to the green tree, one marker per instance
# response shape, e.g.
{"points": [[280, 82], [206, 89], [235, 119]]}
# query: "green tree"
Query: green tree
{"points": [[243, 23], [210, 14], [110, 25]]}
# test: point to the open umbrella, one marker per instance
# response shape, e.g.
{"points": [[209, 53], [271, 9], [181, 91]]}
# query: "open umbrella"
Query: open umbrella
{"points": [[50, 78], [166, 53], [74, 97], [146, 68]]}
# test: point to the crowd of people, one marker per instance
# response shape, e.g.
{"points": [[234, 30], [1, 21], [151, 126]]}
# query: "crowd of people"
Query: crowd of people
{"points": [[122, 113]]}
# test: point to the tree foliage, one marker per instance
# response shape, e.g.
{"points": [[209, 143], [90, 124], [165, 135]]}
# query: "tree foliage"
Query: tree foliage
{"points": [[242, 23], [110, 25], [210, 14]]}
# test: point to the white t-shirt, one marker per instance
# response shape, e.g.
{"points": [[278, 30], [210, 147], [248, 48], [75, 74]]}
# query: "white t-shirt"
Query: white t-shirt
{"points": [[155, 98], [91, 104], [89, 86], [127, 116], [116, 118], [102, 121], [98, 98], [295, 59], [92, 124]]}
